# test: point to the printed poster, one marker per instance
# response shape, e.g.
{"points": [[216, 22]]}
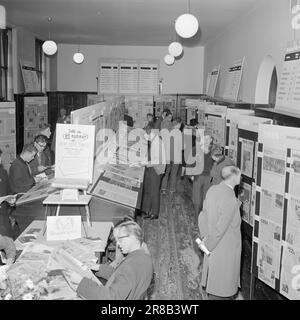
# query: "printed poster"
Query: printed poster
{"points": [[273, 173], [271, 206], [7, 133], [293, 222], [216, 126], [74, 151], [233, 140], [245, 198], [35, 115], [247, 157], [63, 228], [294, 186], [267, 260], [290, 273]]}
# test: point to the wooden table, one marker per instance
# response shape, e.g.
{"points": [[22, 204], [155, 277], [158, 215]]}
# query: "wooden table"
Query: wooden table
{"points": [[36, 232]]}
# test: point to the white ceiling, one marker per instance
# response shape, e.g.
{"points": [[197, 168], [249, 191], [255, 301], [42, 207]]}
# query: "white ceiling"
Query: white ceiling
{"points": [[122, 22]]}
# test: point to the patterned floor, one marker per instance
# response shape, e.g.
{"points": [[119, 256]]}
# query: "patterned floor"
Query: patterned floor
{"points": [[171, 241]]}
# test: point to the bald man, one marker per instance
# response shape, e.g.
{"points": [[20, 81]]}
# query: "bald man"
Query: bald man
{"points": [[219, 226]]}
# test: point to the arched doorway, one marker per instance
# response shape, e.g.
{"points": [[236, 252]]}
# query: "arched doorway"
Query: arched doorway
{"points": [[266, 83]]}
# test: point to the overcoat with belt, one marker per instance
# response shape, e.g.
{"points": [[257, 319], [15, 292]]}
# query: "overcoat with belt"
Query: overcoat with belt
{"points": [[219, 224]]}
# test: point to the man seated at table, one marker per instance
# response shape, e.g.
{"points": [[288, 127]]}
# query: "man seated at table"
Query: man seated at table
{"points": [[42, 159], [20, 177], [7, 245], [106, 270], [131, 278]]}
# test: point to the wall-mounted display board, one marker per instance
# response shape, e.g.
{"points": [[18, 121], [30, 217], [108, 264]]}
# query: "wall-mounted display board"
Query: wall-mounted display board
{"points": [[247, 137], [214, 75], [215, 123], [201, 109], [128, 76], [232, 121], [30, 78], [181, 105], [192, 107], [165, 102], [104, 115], [35, 115], [233, 81], [94, 98], [138, 107], [8, 133], [276, 240], [288, 90]]}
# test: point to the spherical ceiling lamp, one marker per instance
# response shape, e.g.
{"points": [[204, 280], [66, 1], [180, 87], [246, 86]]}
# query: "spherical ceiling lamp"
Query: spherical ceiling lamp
{"points": [[78, 57], [169, 60], [2, 17], [175, 49], [186, 25], [49, 47]]}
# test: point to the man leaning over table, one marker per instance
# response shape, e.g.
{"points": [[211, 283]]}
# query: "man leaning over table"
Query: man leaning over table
{"points": [[130, 279]]}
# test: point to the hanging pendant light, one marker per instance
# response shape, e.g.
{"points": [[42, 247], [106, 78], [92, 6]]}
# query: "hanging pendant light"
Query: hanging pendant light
{"points": [[175, 49], [49, 46], [2, 17], [169, 60], [78, 57], [186, 25]]}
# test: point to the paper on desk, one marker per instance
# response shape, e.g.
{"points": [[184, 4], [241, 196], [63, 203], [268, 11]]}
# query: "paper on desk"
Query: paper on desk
{"points": [[63, 227], [7, 197]]}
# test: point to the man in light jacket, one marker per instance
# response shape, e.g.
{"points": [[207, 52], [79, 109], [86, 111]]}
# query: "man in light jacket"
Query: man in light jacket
{"points": [[219, 225]]}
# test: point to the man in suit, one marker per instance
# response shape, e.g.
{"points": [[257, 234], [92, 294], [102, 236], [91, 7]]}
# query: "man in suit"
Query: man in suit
{"points": [[20, 177], [220, 161], [130, 279], [159, 120], [128, 119], [42, 159], [219, 225]]}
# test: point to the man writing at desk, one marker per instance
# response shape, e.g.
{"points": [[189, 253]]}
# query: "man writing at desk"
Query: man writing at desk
{"points": [[130, 279]]}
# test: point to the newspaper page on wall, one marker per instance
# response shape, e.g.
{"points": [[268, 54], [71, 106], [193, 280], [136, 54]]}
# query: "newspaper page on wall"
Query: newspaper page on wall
{"points": [[233, 117], [247, 158], [30, 78], [288, 90], [7, 133], [35, 115], [214, 75], [234, 76], [138, 107]]}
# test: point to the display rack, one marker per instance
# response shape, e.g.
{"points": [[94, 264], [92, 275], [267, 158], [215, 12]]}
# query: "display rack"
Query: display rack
{"points": [[276, 239]]}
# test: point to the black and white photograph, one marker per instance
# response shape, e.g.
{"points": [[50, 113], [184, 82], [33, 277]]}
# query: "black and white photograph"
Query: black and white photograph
{"points": [[105, 107]]}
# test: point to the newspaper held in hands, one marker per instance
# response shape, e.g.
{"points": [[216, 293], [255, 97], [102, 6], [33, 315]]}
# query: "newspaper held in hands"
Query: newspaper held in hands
{"points": [[202, 246]]}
